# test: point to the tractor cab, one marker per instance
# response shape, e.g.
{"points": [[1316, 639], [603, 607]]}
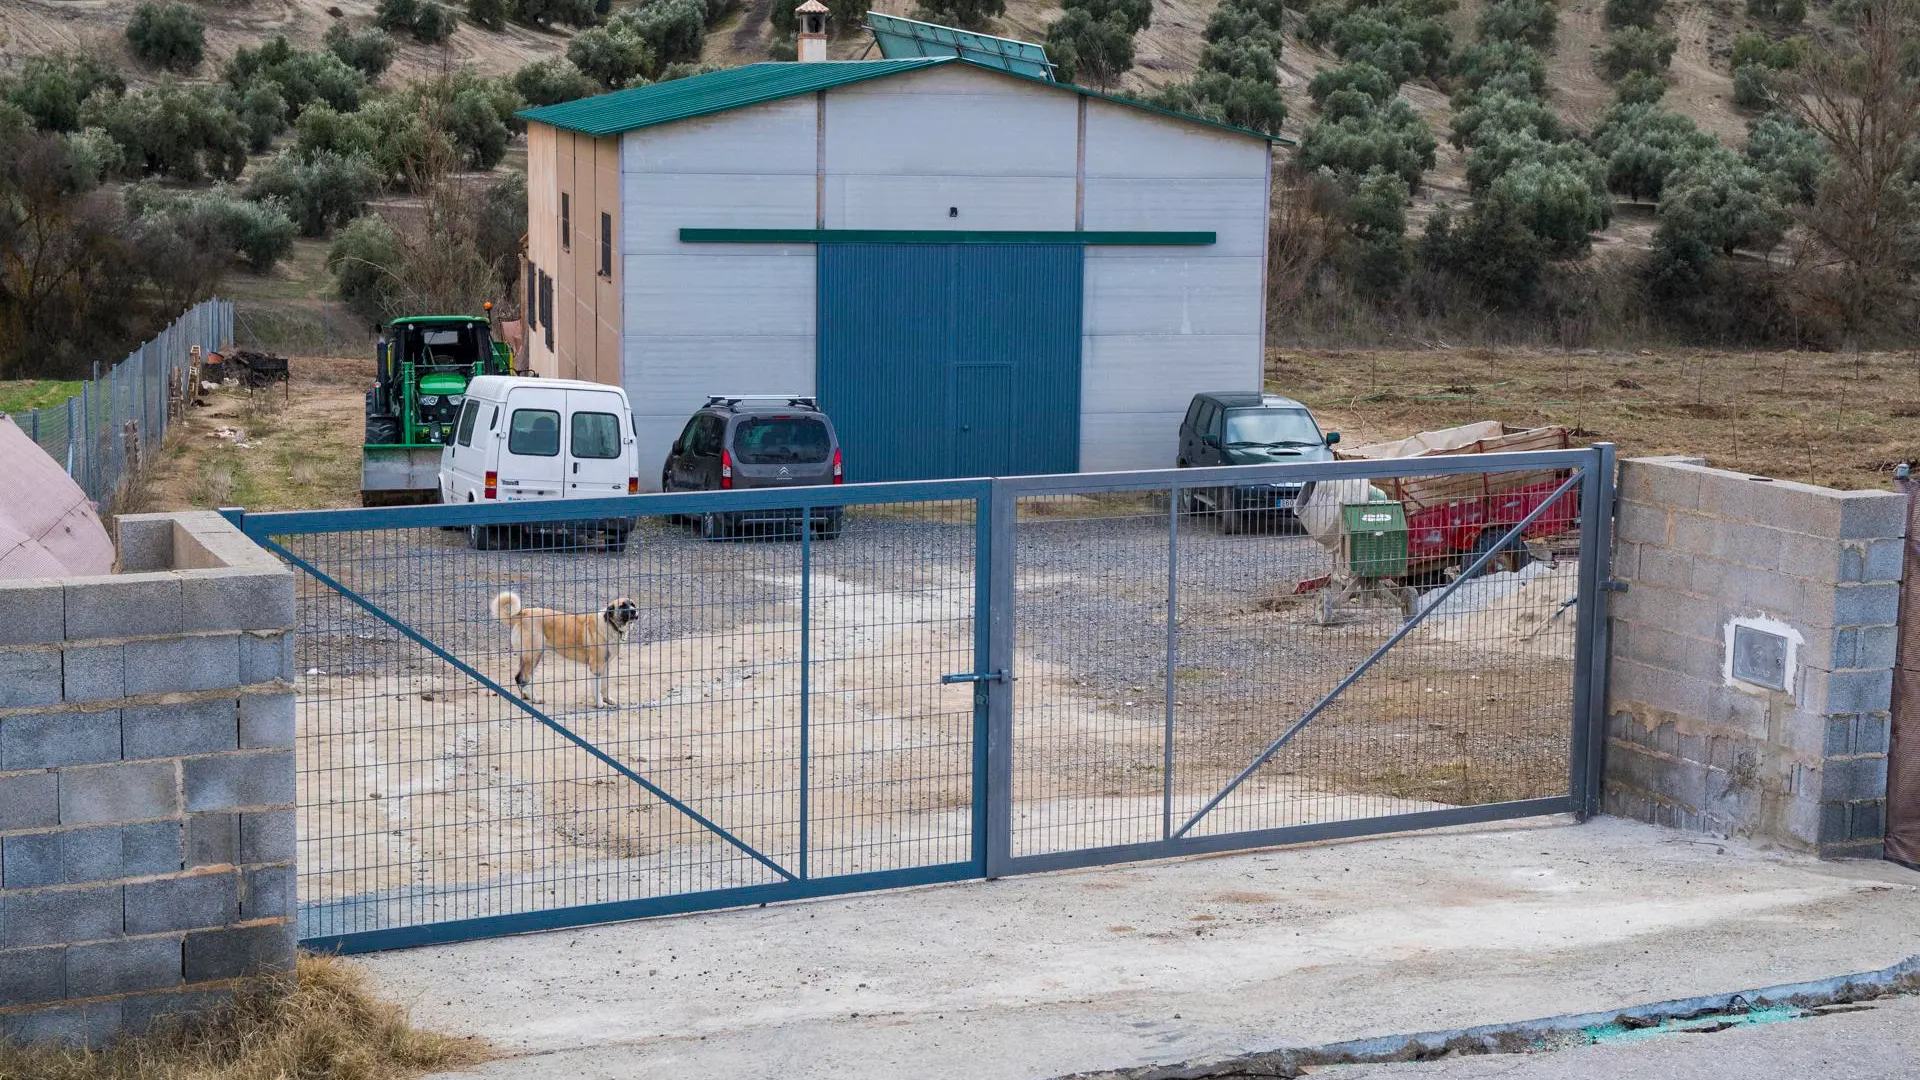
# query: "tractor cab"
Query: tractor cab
{"points": [[423, 364]]}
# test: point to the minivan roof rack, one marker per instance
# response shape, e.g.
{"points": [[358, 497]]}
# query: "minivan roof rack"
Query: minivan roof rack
{"points": [[798, 401]]}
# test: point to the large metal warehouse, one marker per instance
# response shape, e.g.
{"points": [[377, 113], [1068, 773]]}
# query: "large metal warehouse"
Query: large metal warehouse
{"points": [[977, 272]]}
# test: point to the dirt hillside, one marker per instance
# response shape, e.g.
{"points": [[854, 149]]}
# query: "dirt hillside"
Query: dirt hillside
{"points": [[97, 27]]}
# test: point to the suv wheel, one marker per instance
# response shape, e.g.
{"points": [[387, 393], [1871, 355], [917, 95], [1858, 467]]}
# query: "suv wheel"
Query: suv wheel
{"points": [[1232, 521], [712, 526]]}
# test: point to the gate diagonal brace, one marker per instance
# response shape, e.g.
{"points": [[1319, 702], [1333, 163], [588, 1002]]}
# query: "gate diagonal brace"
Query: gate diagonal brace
{"points": [[474, 673], [1406, 628]]}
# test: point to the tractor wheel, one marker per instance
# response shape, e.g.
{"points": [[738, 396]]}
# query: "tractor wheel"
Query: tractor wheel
{"points": [[383, 430]]}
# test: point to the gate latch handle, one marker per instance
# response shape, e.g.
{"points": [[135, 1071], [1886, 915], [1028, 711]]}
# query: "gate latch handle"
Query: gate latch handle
{"points": [[976, 676]]}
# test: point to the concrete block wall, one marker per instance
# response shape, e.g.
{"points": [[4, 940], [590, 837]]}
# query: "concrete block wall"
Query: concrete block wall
{"points": [[1693, 748], [146, 782]]}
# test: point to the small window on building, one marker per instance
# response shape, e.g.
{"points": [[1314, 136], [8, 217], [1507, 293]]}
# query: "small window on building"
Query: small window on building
{"points": [[606, 246], [533, 294], [566, 222], [546, 307]]}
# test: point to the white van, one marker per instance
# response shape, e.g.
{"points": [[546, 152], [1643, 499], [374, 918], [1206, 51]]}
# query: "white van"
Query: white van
{"points": [[522, 439]]}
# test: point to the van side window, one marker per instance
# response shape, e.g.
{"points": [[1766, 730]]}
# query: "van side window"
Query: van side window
{"points": [[534, 433], [493, 422], [468, 415], [595, 435]]}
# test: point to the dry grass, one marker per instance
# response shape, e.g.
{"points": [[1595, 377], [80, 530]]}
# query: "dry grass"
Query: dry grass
{"points": [[1839, 420], [318, 1024], [302, 447]]}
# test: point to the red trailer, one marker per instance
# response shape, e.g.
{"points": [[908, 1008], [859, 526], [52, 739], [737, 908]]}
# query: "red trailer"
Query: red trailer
{"points": [[1451, 520]]}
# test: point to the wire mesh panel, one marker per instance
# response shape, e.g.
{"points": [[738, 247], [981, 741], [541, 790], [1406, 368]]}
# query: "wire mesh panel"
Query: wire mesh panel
{"points": [[1090, 636], [1249, 656], [1473, 706], [533, 718], [525, 715]]}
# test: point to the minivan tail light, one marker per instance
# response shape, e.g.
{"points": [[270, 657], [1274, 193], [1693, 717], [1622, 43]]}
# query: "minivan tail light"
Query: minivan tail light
{"points": [[493, 485], [839, 476], [633, 485], [726, 469]]}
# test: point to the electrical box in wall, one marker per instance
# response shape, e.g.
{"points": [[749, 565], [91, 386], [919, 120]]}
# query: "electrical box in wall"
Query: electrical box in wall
{"points": [[1760, 657]]}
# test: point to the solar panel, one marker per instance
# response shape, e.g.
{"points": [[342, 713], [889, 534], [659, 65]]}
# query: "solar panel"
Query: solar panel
{"points": [[901, 39]]}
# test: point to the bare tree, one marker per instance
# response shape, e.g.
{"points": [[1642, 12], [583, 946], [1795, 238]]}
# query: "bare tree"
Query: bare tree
{"points": [[1863, 98]]}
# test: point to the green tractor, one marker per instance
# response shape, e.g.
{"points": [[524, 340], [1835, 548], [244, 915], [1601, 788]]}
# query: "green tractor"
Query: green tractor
{"points": [[424, 363]]}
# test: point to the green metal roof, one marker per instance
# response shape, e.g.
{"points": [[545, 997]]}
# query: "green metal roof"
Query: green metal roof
{"points": [[714, 92], [753, 84]]}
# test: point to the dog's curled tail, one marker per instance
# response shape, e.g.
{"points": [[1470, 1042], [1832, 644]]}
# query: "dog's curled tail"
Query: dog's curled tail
{"points": [[505, 606]]}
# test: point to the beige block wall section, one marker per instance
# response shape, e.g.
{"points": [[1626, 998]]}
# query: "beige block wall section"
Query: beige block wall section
{"points": [[586, 304]]}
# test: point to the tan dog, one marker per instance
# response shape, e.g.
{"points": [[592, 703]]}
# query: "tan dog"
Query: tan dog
{"points": [[587, 640]]}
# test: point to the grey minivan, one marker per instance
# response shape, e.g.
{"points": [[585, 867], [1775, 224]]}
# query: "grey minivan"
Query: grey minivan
{"points": [[738, 442], [1248, 428]]}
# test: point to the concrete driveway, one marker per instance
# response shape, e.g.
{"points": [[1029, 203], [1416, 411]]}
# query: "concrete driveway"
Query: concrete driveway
{"points": [[1195, 959]]}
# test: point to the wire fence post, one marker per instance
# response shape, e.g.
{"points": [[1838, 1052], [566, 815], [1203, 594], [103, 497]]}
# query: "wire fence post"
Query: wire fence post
{"points": [[86, 436], [69, 434]]}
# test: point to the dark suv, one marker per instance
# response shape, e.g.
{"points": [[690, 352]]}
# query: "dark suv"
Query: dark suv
{"points": [[1248, 429], [743, 441]]}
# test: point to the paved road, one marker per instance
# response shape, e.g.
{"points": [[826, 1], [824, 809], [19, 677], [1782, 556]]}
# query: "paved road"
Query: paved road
{"points": [[1881, 1042], [1194, 960]]}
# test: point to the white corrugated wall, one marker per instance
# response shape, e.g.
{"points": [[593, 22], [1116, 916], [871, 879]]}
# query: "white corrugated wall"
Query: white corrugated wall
{"points": [[945, 149]]}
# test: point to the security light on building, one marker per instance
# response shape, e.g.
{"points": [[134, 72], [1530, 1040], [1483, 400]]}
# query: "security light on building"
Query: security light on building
{"points": [[976, 270]]}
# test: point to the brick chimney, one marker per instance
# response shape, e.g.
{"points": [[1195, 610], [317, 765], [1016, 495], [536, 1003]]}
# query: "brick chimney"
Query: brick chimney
{"points": [[811, 21]]}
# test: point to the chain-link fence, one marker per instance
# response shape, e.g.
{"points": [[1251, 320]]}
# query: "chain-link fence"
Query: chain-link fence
{"points": [[103, 434]]}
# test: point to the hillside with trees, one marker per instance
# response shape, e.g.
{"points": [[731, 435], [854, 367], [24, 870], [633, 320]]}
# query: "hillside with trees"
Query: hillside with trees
{"points": [[1591, 172]]}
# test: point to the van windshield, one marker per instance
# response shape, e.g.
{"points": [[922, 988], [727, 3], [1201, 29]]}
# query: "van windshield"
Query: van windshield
{"points": [[1271, 427], [768, 440]]}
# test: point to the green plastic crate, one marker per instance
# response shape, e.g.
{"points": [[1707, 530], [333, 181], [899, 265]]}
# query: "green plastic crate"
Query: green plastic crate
{"points": [[1373, 539]]}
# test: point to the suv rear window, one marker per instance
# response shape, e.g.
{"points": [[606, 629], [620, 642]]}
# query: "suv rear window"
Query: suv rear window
{"points": [[596, 435], [770, 440], [534, 433]]}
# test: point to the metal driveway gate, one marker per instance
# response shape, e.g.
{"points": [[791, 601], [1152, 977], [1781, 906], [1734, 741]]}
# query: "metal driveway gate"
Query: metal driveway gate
{"points": [[973, 678]]}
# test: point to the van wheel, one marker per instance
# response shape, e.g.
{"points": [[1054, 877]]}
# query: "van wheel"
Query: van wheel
{"points": [[712, 527], [481, 538]]}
